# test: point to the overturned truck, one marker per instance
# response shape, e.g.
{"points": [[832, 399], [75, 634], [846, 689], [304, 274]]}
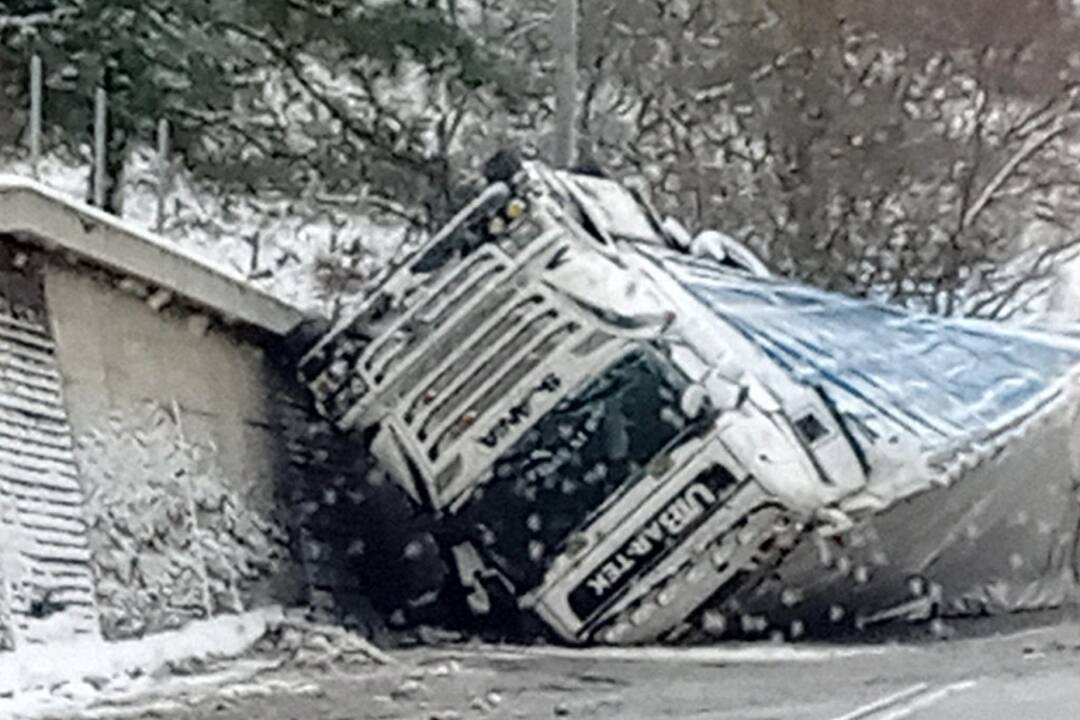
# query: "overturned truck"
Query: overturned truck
{"points": [[637, 434]]}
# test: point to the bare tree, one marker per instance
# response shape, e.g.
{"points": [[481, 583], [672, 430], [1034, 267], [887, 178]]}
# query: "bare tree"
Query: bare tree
{"points": [[876, 160]]}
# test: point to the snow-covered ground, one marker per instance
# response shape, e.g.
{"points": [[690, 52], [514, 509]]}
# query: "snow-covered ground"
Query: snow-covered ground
{"points": [[280, 245], [1030, 674], [285, 245]]}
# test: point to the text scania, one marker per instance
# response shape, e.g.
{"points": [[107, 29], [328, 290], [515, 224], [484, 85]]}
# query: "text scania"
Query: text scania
{"points": [[672, 521], [520, 412]]}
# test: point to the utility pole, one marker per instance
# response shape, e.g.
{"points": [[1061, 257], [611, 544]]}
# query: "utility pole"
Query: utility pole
{"points": [[163, 171], [565, 42], [35, 111]]}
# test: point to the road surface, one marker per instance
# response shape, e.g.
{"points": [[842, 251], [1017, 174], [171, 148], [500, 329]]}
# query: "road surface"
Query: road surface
{"points": [[1028, 674]]}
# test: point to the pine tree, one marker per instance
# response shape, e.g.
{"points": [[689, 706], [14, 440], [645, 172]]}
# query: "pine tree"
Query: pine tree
{"points": [[211, 68]]}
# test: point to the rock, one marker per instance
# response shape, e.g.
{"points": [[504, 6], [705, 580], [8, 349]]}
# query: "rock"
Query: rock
{"points": [[408, 689], [437, 636], [318, 643], [440, 670], [80, 691], [241, 691], [330, 642], [312, 659], [562, 710], [187, 666], [291, 639], [97, 681], [942, 630]]}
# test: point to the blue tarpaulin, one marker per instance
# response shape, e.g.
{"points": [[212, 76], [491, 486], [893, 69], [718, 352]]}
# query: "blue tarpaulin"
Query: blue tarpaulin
{"points": [[936, 378]]}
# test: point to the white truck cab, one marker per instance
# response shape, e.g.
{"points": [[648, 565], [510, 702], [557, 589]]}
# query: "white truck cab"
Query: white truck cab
{"points": [[539, 376]]}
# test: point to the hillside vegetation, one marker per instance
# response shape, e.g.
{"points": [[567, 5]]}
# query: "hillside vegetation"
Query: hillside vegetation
{"points": [[920, 152]]}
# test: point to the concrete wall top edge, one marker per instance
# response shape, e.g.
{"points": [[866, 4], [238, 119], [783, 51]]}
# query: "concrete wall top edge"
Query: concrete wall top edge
{"points": [[39, 213]]}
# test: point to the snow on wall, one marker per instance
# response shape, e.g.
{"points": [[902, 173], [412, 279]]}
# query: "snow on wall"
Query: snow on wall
{"points": [[48, 591], [171, 537], [179, 453], [7, 523], [174, 534]]}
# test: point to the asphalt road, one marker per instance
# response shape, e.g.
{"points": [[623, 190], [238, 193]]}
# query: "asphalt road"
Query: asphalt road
{"points": [[1027, 675]]}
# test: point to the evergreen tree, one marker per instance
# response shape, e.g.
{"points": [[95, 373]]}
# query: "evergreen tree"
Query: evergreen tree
{"points": [[223, 73]]}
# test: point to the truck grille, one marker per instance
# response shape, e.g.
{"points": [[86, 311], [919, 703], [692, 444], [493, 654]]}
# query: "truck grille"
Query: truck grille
{"points": [[453, 356], [453, 360], [344, 368], [482, 388], [492, 346], [470, 281]]}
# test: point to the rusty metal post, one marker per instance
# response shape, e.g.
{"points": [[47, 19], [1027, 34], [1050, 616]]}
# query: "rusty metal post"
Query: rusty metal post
{"points": [[163, 170], [100, 138], [35, 111]]}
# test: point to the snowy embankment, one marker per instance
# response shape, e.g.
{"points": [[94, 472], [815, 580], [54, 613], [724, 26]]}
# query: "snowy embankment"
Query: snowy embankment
{"points": [[286, 246], [281, 245]]}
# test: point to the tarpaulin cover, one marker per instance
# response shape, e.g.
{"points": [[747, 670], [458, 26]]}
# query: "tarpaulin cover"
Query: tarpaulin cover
{"points": [[998, 535]]}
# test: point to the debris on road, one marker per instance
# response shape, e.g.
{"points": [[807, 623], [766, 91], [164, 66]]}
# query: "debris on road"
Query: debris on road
{"points": [[308, 643]]}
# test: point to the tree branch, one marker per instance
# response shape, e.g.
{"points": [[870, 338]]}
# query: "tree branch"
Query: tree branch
{"points": [[32, 20], [1033, 145], [339, 114], [998, 300]]}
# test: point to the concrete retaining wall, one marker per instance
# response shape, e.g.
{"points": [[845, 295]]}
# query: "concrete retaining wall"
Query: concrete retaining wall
{"points": [[48, 585], [179, 440]]}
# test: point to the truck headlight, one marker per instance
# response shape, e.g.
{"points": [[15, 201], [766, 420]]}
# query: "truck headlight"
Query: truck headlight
{"points": [[516, 208]]}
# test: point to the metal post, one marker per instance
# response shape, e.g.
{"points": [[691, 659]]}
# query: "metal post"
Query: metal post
{"points": [[100, 137], [163, 170], [565, 41], [35, 111]]}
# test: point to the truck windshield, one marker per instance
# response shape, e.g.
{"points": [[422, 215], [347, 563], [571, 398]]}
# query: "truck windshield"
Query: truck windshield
{"points": [[594, 444]]}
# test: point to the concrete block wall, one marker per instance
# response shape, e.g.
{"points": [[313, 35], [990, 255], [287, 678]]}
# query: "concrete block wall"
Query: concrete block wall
{"points": [[207, 485], [179, 440], [7, 544], [47, 583]]}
